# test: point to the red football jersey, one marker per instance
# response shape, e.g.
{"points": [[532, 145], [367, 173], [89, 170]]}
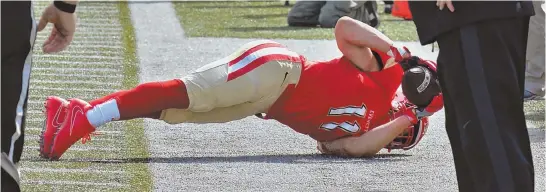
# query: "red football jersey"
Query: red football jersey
{"points": [[335, 99]]}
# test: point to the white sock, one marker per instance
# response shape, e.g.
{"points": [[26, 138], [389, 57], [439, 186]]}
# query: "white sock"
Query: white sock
{"points": [[103, 113]]}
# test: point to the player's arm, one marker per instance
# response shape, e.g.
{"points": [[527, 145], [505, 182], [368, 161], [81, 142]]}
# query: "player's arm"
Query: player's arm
{"points": [[369, 143], [353, 33], [355, 37]]}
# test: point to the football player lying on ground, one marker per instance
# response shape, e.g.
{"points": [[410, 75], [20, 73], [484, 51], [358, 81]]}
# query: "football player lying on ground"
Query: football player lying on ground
{"points": [[343, 103]]}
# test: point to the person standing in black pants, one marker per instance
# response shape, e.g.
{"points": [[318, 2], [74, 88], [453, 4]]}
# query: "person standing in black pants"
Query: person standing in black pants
{"points": [[18, 36], [481, 66]]}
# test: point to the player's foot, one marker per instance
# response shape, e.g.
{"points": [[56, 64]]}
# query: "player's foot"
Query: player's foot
{"points": [[55, 112], [76, 127]]}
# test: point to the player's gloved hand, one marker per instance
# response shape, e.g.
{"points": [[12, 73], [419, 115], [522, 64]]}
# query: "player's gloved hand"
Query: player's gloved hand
{"points": [[414, 113], [414, 61], [399, 53]]}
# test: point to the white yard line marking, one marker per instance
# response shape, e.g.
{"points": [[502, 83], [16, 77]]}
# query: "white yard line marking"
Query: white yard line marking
{"points": [[77, 46], [64, 170], [34, 111], [64, 62], [99, 10], [85, 41], [91, 36], [113, 76], [87, 32], [76, 69], [42, 97], [80, 57], [41, 182], [73, 89], [97, 19], [90, 24], [76, 82]]}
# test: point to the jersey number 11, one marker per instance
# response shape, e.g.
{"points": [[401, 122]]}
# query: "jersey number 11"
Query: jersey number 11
{"points": [[347, 126]]}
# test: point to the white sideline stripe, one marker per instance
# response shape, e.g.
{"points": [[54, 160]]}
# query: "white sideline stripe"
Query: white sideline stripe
{"points": [[63, 170], [64, 62], [99, 83], [72, 183], [82, 148], [65, 69], [113, 76], [81, 56], [73, 89]]}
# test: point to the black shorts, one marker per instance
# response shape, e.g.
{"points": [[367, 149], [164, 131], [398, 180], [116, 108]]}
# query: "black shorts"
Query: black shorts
{"points": [[18, 36]]}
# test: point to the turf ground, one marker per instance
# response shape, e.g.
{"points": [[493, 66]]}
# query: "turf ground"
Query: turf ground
{"points": [[244, 155]]}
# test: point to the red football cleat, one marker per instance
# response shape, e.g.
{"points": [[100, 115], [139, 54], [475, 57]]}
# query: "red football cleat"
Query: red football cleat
{"points": [[75, 127], [55, 112]]}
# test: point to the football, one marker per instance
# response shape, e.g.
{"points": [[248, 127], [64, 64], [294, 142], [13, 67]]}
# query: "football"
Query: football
{"points": [[420, 85]]}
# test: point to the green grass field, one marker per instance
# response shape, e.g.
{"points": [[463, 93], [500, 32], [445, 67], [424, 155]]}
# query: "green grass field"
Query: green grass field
{"points": [[101, 58], [266, 19]]}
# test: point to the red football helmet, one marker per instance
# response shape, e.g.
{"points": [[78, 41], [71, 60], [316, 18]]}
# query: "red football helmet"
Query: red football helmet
{"points": [[413, 134]]}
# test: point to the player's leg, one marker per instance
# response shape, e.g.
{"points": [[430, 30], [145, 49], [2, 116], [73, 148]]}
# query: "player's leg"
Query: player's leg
{"points": [[82, 118], [18, 37], [237, 88]]}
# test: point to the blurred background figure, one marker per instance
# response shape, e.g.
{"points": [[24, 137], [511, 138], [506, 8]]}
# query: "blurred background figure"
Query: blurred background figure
{"points": [[534, 73], [326, 13], [388, 6]]}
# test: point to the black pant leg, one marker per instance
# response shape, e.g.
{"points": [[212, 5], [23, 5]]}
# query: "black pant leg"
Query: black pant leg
{"points": [[464, 179], [18, 36], [8, 184], [488, 110], [461, 117], [505, 75]]}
